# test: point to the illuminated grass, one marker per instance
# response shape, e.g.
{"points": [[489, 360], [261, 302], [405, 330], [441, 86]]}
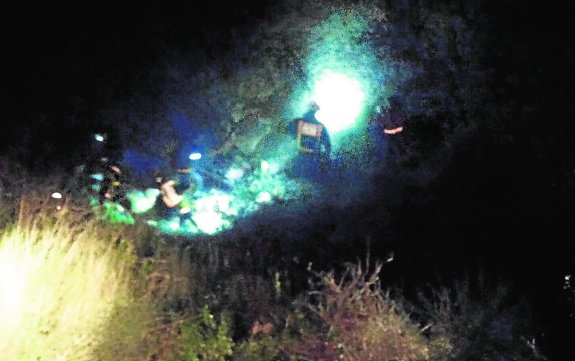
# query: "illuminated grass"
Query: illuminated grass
{"points": [[59, 285]]}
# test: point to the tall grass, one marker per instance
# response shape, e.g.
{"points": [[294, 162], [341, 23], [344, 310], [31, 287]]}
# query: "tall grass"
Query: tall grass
{"points": [[60, 282]]}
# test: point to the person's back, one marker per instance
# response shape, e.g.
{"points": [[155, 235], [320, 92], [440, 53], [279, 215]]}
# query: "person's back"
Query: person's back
{"points": [[311, 135], [313, 144]]}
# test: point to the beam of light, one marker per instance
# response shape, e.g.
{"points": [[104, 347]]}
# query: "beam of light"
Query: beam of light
{"points": [[346, 76], [340, 99], [99, 137], [195, 156]]}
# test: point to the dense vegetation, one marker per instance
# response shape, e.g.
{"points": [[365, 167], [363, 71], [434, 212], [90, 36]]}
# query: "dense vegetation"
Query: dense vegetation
{"points": [[482, 179]]}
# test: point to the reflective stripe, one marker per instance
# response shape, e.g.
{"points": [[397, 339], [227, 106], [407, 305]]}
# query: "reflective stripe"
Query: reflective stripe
{"points": [[393, 131], [305, 129]]}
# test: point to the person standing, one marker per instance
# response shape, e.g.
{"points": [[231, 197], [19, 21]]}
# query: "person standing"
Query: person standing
{"points": [[312, 141]]}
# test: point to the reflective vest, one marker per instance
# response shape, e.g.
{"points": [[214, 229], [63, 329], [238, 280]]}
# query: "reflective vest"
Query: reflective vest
{"points": [[307, 132]]}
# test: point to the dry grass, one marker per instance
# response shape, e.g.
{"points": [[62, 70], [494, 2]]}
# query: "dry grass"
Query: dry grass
{"points": [[60, 282], [363, 323]]}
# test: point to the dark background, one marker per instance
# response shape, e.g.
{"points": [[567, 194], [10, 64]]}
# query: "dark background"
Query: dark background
{"points": [[504, 202]]}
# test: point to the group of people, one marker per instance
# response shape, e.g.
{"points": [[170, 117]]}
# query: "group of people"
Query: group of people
{"points": [[312, 142]]}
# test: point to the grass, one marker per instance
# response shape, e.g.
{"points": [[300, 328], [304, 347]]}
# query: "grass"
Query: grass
{"points": [[60, 283], [75, 288]]}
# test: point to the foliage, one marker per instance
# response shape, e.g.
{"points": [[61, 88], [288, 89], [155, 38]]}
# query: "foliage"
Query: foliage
{"points": [[145, 295], [204, 338], [133, 333], [361, 322], [482, 322], [61, 279], [261, 348]]}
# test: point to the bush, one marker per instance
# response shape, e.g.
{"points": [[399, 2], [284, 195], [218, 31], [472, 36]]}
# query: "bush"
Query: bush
{"points": [[204, 338], [358, 321], [482, 322], [264, 348]]}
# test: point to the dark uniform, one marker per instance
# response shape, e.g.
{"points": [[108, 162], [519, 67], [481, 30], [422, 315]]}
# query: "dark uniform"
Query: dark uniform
{"points": [[386, 124], [313, 144]]}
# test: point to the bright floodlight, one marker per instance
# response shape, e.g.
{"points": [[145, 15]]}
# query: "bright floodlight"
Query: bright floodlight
{"points": [[195, 156], [99, 137], [340, 99]]}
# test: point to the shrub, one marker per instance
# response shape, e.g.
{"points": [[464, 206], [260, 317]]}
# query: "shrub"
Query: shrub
{"points": [[260, 348], [359, 321], [482, 322], [202, 337]]}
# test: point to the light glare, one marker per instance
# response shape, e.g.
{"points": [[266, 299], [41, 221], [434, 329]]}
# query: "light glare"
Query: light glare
{"points": [[340, 99], [195, 156]]}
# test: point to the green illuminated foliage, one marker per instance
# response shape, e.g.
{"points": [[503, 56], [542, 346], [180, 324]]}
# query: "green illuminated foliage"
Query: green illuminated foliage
{"points": [[205, 338], [116, 213], [142, 201], [215, 211]]}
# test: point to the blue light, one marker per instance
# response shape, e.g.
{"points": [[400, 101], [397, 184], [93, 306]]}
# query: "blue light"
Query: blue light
{"points": [[97, 176], [195, 156], [99, 137]]}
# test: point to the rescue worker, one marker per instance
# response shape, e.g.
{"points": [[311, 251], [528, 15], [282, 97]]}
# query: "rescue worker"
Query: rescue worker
{"points": [[386, 124], [112, 183], [312, 141], [176, 191], [105, 175]]}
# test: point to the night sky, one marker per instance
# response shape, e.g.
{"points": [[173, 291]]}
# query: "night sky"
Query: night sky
{"points": [[505, 205], [64, 61]]}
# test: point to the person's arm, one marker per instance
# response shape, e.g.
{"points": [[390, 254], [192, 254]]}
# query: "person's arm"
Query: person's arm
{"points": [[395, 124]]}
